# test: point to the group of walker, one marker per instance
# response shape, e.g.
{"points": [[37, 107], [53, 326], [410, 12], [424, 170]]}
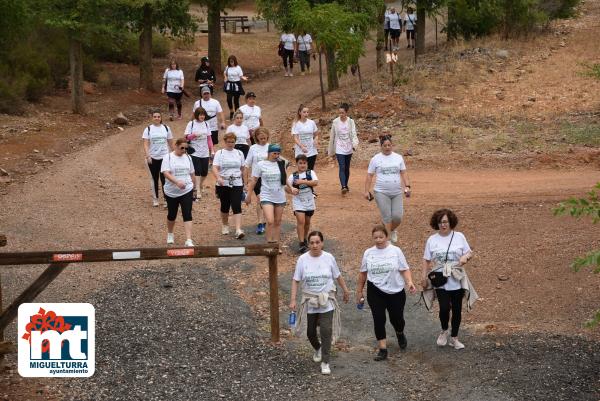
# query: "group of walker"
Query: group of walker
{"points": [[394, 24]]}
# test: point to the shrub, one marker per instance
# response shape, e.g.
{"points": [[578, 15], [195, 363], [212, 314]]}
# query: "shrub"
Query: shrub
{"points": [[124, 47]]}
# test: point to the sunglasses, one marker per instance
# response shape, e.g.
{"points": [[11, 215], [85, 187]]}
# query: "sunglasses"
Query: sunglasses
{"points": [[183, 147]]}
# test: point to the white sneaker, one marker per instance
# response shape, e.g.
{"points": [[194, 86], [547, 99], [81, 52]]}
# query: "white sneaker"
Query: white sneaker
{"points": [[325, 368], [239, 234], [225, 230], [453, 342], [291, 75], [170, 238], [317, 355], [165, 205], [155, 202], [394, 236], [189, 242], [442, 339]]}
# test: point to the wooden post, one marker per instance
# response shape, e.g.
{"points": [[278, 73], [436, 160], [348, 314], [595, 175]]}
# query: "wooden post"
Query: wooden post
{"points": [[2, 240], [2, 243], [31, 293], [274, 297]]}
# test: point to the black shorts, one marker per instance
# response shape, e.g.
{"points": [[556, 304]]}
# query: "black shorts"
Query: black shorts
{"points": [[410, 34], [200, 166], [257, 186], [308, 213], [176, 96], [242, 148], [395, 33], [214, 135]]}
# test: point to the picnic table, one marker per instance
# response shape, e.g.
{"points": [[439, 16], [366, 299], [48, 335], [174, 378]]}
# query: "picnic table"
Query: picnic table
{"points": [[232, 22]]}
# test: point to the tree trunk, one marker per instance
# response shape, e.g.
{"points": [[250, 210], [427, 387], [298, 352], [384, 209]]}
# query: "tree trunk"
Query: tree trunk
{"points": [[146, 50], [332, 77], [380, 56], [76, 64], [214, 36], [421, 23], [451, 25], [323, 106]]}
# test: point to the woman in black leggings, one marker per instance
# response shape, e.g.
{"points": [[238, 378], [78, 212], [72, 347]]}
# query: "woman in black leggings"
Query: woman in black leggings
{"points": [[158, 141], [386, 272], [233, 76]]}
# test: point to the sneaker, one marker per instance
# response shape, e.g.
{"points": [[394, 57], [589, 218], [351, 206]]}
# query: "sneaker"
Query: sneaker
{"points": [[325, 368], [239, 234], [263, 227], [394, 236], [155, 202], [317, 355], [402, 343], [344, 191], [291, 75], [259, 229], [170, 238], [225, 230], [189, 242], [442, 339], [302, 73], [453, 342], [381, 355]]}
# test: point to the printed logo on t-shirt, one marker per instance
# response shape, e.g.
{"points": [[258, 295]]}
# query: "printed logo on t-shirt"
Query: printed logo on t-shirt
{"points": [[380, 265], [316, 281]]}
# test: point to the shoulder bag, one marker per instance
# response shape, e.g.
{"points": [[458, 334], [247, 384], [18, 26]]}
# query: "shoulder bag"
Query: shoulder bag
{"points": [[437, 278]]}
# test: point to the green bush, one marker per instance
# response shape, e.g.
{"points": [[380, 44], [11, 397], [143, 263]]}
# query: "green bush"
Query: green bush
{"points": [[11, 96], [124, 47]]}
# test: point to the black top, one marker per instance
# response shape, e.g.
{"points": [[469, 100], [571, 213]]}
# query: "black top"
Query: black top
{"points": [[205, 73]]}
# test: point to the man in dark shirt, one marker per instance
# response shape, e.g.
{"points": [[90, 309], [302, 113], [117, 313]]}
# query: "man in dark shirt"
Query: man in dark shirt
{"points": [[205, 75]]}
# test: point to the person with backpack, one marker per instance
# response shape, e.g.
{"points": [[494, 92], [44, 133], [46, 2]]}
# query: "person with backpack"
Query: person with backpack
{"points": [[410, 25], [233, 76], [300, 184], [241, 132], [257, 153], [228, 169], [343, 140], [395, 28], [178, 169], [252, 115], [197, 132], [304, 49], [306, 136], [205, 75], [214, 113], [272, 175], [158, 142], [287, 48], [173, 84]]}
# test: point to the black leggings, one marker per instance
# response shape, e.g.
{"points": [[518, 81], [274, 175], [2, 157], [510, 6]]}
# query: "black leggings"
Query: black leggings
{"points": [[231, 198], [174, 98], [450, 300], [186, 201], [154, 167], [243, 148], [311, 162], [288, 55], [379, 301], [233, 99]]}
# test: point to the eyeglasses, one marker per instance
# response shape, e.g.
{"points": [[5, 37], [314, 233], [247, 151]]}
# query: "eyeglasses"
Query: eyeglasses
{"points": [[183, 147], [444, 222]]}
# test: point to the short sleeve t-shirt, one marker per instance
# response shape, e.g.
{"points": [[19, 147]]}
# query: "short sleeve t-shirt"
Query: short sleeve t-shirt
{"points": [[384, 267], [305, 200], [271, 189], [251, 116], [343, 141], [200, 143], [257, 153], [242, 135], [234, 74], [174, 80], [181, 167], [230, 163], [435, 251], [304, 42], [212, 107], [387, 168], [159, 140], [288, 40], [317, 275], [306, 135], [395, 21], [410, 20]]}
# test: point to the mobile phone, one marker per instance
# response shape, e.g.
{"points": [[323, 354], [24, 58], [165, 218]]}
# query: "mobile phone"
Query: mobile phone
{"points": [[371, 197]]}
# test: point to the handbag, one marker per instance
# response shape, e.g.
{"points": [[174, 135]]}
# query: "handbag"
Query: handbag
{"points": [[280, 51], [437, 278]]}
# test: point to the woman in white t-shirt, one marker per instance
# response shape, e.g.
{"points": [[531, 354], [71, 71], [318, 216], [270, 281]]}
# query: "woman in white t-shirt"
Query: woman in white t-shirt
{"points": [[446, 248], [178, 169], [198, 133], [300, 184], [241, 132], [386, 273], [306, 136], [228, 169], [271, 173], [257, 153], [233, 77], [158, 141], [343, 141], [304, 49], [173, 84], [287, 45], [391, 174], [252, 115], [317, 272], [410, 25]]}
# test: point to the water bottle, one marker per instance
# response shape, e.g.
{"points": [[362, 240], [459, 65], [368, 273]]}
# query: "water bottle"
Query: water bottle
{"points": [[292, 319], [361, 304]]}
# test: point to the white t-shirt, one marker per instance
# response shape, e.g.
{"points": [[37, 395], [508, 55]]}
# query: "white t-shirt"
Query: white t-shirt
{"points": [[242, 135], [174, 80], [435, 251], [304, 42], [230, 163], [384, 266], [387, 168], [408, 21], [395, 20], [181, 167], [251, 116], [212, 107], [234, 74], [200, 143], [343, 142], [306, 134], [288, 40], [317, 275], [271, 189], [305, 200], [158, 137], [256, 153]]}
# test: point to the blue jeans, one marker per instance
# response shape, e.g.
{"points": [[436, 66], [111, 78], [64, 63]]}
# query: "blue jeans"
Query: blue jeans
{"points": [[344, 165]]}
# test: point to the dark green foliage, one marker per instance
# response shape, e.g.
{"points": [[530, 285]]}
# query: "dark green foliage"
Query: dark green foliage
{"points": [[124, 47]]}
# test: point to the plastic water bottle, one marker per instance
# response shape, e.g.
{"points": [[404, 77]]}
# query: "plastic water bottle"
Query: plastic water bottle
{"points": [[361, 304], [292, 319]]}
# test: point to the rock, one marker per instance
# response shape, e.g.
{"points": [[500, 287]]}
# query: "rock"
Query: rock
{"points": [[444, 99], [121, 128], [3, 172], [120, 119], [36, 151], [503, 277], [502, 54], [373, 115], [531, 99], [408, 152], [500, 95]]}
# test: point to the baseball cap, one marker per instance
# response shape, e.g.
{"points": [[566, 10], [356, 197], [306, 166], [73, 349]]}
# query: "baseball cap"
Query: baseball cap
{"points": [[205, 89], [250, 94]]}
